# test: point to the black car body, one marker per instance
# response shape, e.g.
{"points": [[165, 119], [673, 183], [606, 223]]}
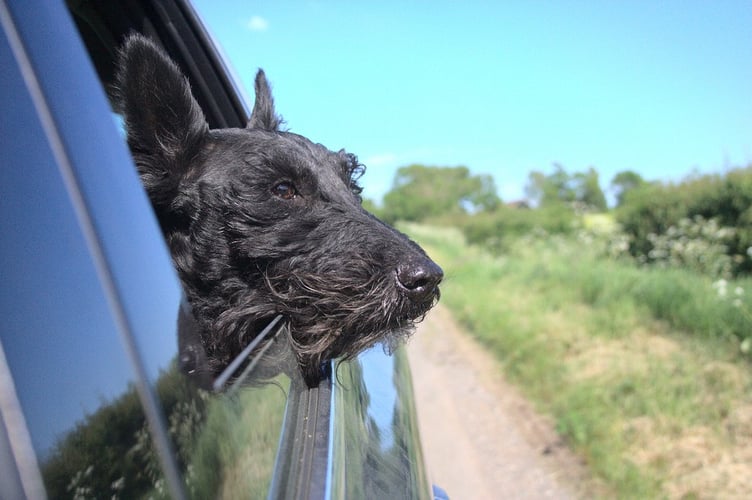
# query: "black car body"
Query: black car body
{"points": [[93, 402]]}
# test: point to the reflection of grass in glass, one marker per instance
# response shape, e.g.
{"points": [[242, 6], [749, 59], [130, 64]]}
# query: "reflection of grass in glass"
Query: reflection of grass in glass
{"points": [[405, 425], [226, 445], [234, 456], [350, 436]]}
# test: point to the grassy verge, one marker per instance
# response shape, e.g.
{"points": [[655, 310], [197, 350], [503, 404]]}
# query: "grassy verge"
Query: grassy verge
{"points": [[641, 369]]}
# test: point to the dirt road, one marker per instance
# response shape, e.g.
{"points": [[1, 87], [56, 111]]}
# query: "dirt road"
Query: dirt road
{"points": [[481, 438]]}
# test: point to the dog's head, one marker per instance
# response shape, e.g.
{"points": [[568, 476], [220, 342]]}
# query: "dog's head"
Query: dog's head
{"points": [[261, 221]]}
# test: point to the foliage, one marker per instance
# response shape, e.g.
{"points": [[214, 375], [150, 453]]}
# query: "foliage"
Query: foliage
{"points": [[233, 456], [225, 445], [561, 187], [498, 229], [110, 454], [697, 244], [633, 363], [371, 206], [97, 455], [623, 183], [420, 192], [652, 209], [588, 191]]}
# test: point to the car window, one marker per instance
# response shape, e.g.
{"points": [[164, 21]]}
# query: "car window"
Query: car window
{"points": [[86, 343], [224, 432], [59, 338]]}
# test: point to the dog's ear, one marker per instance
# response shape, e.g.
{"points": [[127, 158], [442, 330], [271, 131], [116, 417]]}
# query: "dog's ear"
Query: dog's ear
{"points": [[263, 116], [165, 124]]}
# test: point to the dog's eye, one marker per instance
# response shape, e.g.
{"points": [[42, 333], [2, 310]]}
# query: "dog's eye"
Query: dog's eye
{"points": [[285, 190]]}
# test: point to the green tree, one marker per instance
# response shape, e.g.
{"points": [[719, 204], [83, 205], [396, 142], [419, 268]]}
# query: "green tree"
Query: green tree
{"points": [[559, 187], [552, 189], [420, 192], [623, 183], [563, 187], [588, 190], [535, 187]]}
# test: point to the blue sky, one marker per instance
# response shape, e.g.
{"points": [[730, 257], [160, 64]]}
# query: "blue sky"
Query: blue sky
{"points": [[662, 88]]}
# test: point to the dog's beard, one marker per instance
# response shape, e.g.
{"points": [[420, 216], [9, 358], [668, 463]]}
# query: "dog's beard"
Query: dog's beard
{"points": [[329, 316]]}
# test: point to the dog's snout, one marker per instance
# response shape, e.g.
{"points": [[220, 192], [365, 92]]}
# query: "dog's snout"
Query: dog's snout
{"points": [[419, 279]]}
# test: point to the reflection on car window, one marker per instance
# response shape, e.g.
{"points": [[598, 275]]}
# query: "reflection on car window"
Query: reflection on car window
{"points": [[233, 454], [75, 382], [59, 337], [228, 432], [375, 447], [225, 444]]}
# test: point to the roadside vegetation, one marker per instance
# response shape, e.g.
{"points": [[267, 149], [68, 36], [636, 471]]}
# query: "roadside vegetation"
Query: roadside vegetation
{"points": [[631, 327]]}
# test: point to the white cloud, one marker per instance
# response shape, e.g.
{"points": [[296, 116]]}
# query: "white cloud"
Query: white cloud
{"points": [[258, 23]]}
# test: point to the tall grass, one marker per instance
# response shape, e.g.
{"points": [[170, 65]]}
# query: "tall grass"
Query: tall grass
{"points": [[632, 363]]}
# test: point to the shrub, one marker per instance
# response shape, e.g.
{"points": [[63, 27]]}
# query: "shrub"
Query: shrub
{"points": [[496, 230], [697, 244], [650, 211]]}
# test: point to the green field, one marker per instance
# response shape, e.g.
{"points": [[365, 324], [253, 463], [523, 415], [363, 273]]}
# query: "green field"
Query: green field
{"points": [[644, 370]]}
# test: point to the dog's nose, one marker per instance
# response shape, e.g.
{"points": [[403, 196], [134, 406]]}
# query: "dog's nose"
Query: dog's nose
{"points": [[419, 279]]}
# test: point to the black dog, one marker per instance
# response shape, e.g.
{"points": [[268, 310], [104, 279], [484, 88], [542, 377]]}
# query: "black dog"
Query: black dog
{"points": [[261, 221]]}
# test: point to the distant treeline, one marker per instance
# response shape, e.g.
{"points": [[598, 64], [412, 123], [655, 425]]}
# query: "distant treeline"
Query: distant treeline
{"points": [[702, 221]]}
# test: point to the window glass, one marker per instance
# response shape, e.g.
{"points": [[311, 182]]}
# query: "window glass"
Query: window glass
{"points": [[225, 439], [72, 377]]}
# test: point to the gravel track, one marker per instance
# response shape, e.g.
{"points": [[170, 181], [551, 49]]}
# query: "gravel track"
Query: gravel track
{"points": [[481, 438]]}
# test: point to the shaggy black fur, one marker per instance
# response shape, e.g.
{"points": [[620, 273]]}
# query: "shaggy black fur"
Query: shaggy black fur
{"points": [[261, 221]]}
